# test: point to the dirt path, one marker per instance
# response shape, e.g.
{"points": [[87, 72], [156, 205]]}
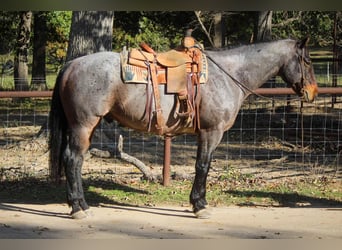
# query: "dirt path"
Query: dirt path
{"points": [[112, 221], [116, 222]]}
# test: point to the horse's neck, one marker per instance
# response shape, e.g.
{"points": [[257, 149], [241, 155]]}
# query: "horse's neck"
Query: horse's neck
{"points": [[253, 65]]}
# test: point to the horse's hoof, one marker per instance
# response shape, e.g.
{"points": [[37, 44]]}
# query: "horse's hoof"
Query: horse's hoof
{"points": [[204, 213], [79, 215], [89, 213]]}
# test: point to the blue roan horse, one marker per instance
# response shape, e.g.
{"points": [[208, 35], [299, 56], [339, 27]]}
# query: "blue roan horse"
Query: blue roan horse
{"points": [[90, 88]]}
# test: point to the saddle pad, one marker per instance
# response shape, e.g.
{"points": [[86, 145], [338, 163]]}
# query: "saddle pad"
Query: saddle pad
{"points": [[136, 74], [204, 74], [141, 55], [130, 73]]}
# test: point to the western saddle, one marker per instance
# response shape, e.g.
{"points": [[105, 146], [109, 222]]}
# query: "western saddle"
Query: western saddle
{"points": [[182, 69]]}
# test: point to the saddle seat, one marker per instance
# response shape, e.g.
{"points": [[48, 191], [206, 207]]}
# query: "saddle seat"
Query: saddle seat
{"points": [[171, 58]]}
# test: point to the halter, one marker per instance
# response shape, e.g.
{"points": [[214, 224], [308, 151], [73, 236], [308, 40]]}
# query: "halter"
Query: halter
{"points": [[302, 62]]}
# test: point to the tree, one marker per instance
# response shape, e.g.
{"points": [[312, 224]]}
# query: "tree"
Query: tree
{"points": [[264, 26], [90, 32], [218, 30], [38, 81], [161, 30], [8, 33], [201, 22], [21, 56], [296, 24], [58, 27]]}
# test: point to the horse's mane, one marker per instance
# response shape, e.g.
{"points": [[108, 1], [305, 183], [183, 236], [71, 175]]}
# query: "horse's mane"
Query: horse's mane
{"points": [[244, 46], [237, 56]]}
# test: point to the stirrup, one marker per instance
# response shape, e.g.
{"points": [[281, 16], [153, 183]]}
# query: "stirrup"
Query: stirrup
{"points": [[185, 107], [184, 114]]}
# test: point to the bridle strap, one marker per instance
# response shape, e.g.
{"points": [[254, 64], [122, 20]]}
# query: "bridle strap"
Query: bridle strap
{"points": [[301, 63]]}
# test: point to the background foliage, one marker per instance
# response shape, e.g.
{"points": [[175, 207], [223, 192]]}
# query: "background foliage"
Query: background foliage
{"points": [[164, 29]]}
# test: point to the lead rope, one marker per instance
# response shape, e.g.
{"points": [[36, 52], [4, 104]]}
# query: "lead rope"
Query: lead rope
{"points": [[302, 132], [301, 61], [241, 85]]}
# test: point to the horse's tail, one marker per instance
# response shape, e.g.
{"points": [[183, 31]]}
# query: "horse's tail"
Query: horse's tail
{"points": [[58, 128]]}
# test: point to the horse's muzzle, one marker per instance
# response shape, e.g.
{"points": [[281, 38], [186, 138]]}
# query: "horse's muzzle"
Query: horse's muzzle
{"points": [[310, 92]]}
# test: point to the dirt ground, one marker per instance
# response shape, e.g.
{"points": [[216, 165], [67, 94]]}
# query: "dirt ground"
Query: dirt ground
{"points": [[118, 222], [32, 221]]}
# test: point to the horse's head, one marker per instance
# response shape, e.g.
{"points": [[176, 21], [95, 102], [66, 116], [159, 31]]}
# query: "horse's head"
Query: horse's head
{"points": [[298, 72]]}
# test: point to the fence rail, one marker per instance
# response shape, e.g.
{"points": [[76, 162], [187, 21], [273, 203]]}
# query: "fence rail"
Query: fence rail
{"points": [[260, 91]]}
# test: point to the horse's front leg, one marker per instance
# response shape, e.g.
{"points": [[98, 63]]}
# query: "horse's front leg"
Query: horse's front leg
{"points": [[207, 143]]}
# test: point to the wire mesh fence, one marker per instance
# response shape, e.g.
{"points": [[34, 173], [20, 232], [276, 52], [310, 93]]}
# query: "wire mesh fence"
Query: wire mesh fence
{"points": [[279, 133], [286, 134]]}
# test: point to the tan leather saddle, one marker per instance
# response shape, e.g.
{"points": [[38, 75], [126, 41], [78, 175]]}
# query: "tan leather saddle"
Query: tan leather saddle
{"points": [[181, 69]]}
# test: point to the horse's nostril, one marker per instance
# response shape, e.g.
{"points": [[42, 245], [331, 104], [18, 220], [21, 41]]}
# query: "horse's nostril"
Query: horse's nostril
{"points": [[308, 97]]}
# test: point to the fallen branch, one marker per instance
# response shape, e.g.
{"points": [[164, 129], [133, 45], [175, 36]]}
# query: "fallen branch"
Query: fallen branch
{"points": [[136, 162], [125, 157]]}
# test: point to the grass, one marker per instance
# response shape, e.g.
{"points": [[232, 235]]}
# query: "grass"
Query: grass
{"points": [[231, 187], [26, 105], [7, 82], [241, 190]]}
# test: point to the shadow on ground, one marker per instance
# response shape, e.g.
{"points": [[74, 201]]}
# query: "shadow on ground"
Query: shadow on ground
{"points": [[287, 199]]}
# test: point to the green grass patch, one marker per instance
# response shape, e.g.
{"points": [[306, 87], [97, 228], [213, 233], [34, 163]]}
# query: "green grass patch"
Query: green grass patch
{"points": [[7, 81], [239, 190], [224, 192]]}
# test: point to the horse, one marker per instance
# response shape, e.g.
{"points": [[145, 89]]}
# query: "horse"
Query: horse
{"points": [[90, 88]]}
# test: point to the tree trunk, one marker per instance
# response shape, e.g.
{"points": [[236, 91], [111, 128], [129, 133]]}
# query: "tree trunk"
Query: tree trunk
{"points": [[91, 31], [218, 30], [38, 81], [21, 57], [264, 26]]}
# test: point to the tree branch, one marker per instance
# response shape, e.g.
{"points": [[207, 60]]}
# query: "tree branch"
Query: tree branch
{"points": [[125, 157], [198, 15], [288, 21]]}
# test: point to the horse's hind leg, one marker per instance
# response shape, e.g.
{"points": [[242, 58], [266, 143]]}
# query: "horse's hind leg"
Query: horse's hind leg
{"points": [[78, 144]]}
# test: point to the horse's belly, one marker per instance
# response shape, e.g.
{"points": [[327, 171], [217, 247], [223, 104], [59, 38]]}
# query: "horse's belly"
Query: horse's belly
{"points": [[131, 118]]}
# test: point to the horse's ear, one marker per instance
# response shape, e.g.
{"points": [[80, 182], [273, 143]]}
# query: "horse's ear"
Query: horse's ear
{"points": [[304, 42]]}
